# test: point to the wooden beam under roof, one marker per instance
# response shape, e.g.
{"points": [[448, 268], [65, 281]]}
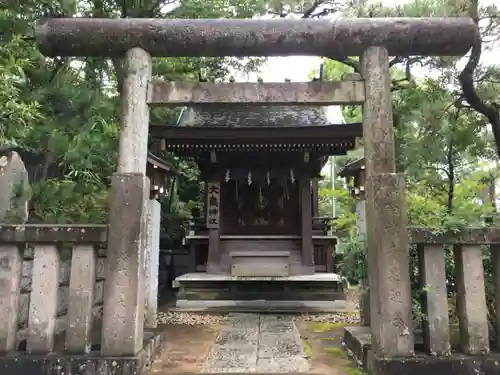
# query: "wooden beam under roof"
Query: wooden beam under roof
{"points": [[288, 93], [303, 134]]}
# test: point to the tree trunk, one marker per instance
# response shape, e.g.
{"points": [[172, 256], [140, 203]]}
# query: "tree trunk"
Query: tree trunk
{"points": [[490, 110]]}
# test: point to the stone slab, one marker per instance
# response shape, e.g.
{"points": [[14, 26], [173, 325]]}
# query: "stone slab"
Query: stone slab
{"points": [[251, 343], [282, 365], [237, 336], [200, 276]]}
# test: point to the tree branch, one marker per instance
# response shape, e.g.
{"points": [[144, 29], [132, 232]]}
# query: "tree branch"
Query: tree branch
{"points": [[308, 13], [466, 79]]}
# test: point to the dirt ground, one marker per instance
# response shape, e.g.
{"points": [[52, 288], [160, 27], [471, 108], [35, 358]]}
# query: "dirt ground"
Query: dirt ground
{"points": [[323, 344], [189, 338], [186, 348], [188, 345]]}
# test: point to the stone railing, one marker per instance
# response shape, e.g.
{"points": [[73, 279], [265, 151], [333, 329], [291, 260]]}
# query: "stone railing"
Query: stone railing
{"points": [[52, 279], [472, 311]]}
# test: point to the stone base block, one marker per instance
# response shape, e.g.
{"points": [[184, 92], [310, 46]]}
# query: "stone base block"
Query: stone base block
{"points": [[424, 364], [357, 342], [90, 364]]}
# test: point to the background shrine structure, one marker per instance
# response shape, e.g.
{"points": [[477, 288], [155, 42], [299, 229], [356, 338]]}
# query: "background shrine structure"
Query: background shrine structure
{"points": [[259, 164]]}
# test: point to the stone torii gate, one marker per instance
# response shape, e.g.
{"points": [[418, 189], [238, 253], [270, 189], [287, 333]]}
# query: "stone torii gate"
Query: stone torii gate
{"points": [[372, 39]]}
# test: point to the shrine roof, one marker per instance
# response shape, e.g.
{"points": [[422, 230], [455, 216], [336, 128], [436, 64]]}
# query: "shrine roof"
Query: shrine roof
{"points": [[255, 116], [352, 167]]}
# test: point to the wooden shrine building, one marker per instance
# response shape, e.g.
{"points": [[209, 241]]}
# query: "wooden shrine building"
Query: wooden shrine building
{"points": [[355, 175], [258, 164]]}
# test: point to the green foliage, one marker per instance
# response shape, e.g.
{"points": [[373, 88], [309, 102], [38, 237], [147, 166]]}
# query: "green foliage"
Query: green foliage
{"points": [[444, 148], [66, 111], [65, 202]]}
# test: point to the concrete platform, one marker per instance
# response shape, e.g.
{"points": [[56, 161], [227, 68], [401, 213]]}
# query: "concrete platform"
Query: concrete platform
{"points": [[263, 306], [202, 276], [212, 287]]}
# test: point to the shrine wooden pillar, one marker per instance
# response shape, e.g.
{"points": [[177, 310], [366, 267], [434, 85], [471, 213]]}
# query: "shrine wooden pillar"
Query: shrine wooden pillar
{"points": [[212, 189], [315, 197], [307, 248]]}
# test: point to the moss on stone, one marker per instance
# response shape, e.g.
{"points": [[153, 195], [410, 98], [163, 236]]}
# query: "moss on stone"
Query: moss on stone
{"points": [[320, 327], [307, 348], [335, 352], [351, 370]]}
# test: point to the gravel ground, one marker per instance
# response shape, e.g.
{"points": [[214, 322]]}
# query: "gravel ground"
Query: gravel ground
{"points": [[200, 319], [331, 318], [192, 319]]}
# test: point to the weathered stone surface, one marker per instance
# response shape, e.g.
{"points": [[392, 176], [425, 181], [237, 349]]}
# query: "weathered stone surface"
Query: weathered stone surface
{"points": [[378, 134], [387, 233], [100, 268], [389, 279], [435, 299], [357, 341], [85, 364], [98, 292], [472, 311], [364, 304], [43, 300], [123, 315], [479, 236], [254, 37], [253, 343], [14, 188], [282, 365], [152, 260], [62, 300], [81, 299], [53, 233], [24, 305], [361, 217], [64, 272], [133, 145], [316, 93], [495, 265], [237, 336], [10, 290], [123, 312], [27, 273]]}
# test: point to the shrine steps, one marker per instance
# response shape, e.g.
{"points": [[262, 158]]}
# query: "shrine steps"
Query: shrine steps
{"points": [[322, 292]]}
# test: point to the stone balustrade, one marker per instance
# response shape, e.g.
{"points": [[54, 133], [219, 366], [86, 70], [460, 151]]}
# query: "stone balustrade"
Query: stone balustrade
{"points": [[52, 280], [469, 249], [468, 344]]}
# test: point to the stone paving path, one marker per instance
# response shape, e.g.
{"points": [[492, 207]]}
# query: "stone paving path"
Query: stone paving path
{"points": [[257, 343]]}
